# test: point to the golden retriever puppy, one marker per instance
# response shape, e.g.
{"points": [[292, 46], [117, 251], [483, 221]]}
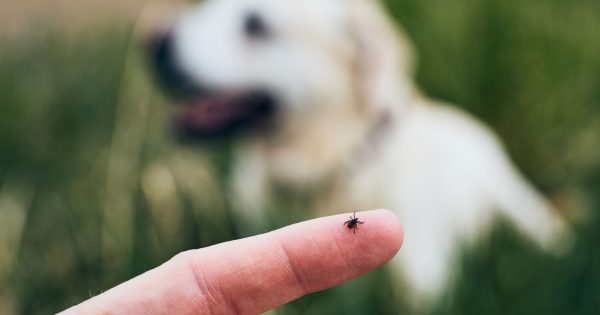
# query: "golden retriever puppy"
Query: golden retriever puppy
{"points": [[320, 97]]}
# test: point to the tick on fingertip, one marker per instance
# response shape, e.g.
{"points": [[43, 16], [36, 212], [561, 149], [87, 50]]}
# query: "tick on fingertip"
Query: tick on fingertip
{"points": [[353, 222]]}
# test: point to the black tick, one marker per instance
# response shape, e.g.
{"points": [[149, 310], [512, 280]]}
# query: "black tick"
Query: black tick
{"points": [[353, 222]]}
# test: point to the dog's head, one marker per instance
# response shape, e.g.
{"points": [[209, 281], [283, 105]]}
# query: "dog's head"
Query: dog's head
{"points": [[241, 64]]}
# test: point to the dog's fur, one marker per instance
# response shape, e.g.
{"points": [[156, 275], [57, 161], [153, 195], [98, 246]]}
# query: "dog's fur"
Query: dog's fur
{"points": [[351, 122]]}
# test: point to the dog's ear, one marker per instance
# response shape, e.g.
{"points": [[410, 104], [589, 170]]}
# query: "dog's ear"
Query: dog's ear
{"points": [[384, 58]]}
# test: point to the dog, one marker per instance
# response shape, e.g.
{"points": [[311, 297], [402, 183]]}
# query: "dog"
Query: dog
{"points": [[320, 97]]}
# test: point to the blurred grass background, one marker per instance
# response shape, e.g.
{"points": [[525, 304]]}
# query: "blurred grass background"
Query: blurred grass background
{"points": [[93, 189]]}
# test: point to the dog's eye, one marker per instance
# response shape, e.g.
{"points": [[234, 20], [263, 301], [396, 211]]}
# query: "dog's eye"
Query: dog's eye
{"points": [[255, 27]]}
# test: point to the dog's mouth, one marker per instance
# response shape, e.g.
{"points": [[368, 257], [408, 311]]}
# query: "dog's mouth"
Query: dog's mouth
{"points": [[208, 112], [215, 115]]}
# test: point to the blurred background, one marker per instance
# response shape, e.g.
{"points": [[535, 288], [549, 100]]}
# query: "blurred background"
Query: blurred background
{"points": [[94, 190]]}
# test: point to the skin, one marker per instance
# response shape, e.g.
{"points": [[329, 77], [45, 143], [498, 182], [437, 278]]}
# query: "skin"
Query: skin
{"points": [[258, 273]]}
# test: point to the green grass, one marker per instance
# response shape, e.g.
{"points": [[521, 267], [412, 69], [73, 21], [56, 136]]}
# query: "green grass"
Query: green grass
{"points": [[94, 191]]}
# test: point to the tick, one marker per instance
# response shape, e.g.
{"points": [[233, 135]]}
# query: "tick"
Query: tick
{"points": [[353, 222]]}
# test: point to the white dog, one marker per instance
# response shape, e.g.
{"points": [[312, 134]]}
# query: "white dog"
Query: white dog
{"points": [[321, 95]]}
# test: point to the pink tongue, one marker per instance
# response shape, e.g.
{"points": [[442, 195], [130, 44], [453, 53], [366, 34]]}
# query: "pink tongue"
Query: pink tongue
{"points": [[209, 114]]}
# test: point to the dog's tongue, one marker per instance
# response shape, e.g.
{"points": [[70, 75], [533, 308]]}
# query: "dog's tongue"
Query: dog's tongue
{"points": [[209, 115], [222, 114]]}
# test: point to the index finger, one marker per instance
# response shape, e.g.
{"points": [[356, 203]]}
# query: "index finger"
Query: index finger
{"points": [[255, 274]]}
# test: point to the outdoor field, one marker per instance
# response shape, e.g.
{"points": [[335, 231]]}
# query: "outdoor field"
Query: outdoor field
{"points": [[95, 190]]}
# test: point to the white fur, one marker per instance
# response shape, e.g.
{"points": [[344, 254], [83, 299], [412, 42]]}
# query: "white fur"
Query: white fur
{"points": [[339, 66]]}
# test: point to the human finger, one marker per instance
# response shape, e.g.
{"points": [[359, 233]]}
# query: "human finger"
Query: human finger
{"points": [[255, 274]]}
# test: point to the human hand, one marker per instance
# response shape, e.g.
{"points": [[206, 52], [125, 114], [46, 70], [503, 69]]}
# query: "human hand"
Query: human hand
{"points": [[258, 273]]}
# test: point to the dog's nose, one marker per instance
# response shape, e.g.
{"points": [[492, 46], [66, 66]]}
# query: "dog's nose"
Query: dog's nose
{"points": [[164, 62], [166, 67]]}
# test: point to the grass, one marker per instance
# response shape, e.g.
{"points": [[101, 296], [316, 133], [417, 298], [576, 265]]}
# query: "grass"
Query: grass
{"points": [[93, 191]]}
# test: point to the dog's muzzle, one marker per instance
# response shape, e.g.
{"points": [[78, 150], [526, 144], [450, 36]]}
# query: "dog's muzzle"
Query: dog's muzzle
{"points": [[206, 113]]}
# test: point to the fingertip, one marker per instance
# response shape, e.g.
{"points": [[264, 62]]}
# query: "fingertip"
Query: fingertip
{"points": [[387, 230], [375, 242], [393, 228]]}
